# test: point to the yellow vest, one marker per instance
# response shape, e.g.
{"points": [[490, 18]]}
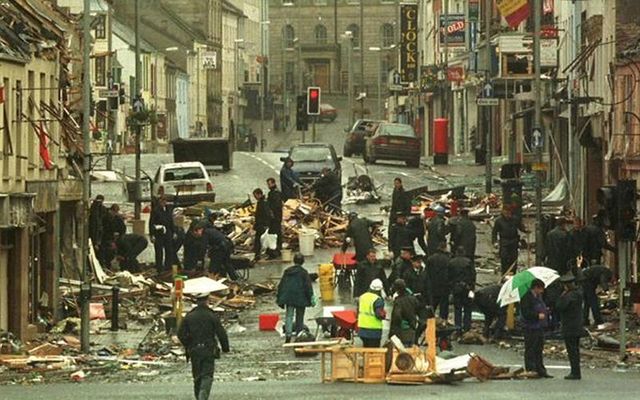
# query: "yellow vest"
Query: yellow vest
{"points": [[367, 312]]}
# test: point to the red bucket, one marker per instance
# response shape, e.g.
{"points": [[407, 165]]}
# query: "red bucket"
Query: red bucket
{"points": [[267, 322]]}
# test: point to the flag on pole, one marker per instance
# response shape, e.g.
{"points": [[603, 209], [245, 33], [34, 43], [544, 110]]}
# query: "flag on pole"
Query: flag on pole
{"points": [[43, 136], [514, 11]]}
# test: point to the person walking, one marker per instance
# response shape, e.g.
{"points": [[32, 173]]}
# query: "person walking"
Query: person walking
{"points": [[295, 294], [162, 231], [592, 277], [437, 281], [505, 235], [366, 272], [569, 305], [359, 229], [200, 332], [274, 199], [404, 315], [464, 281], [371, 313], [289, 181], [262, 221], [534, 316]]}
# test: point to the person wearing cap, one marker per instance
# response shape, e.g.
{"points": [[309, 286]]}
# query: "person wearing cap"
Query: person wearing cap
{"points": [[289, 180], [592, 277], [263, 218], [274, 200], [195, 246], [400, 200], [404, 315], [463, 278], [203, 336], [557, 248], [569, 305], [359, 230], [436, 231], [366, 272], [411, 275], [534, 316], [295, 294], [596, 240], [371, 313], [463, 234], [399, 235], [436, 281], [162, 230], [97, 217], [505, 235], [401, 264]]}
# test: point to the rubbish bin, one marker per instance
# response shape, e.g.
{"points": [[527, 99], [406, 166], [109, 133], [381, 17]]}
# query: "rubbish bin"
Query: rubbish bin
{"points": [[306, 240], [326, 278]]}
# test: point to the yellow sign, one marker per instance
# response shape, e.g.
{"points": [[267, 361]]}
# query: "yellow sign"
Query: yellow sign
{"points": [[539, 166]]}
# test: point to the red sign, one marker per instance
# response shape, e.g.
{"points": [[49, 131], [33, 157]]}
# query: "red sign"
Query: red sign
{"points": [[455, 74], [514, 11], [549, 31]]}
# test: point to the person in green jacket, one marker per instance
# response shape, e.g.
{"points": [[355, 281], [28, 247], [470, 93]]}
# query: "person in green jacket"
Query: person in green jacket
{"points": [[295, 294]]}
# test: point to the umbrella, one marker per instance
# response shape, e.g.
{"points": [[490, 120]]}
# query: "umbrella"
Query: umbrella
{"points": [[203, 285], [516, 287]]}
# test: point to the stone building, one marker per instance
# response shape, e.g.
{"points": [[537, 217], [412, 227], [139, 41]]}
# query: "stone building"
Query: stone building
{"points": [[308, 45]]}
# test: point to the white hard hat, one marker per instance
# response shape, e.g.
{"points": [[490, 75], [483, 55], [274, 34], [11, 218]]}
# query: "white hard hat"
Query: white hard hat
{"points": [[376, 285]]}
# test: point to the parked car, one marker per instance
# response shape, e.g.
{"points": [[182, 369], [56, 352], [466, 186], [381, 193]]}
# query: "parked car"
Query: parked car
{"points": [[392, 141], [327, 113], [310, 158], [355, 139], [184, 183]]}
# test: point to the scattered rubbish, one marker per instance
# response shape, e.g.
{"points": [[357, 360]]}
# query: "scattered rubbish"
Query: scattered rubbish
{"points": [[78, 376]]}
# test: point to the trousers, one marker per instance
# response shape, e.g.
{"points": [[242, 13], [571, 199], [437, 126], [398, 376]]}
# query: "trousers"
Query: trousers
{"points": [[508, 255], [441, 302], [591, 303], [202, 368], [288, 321], [165, 256], [462, 313], [573, 351], [533, 347], [369, 342]]}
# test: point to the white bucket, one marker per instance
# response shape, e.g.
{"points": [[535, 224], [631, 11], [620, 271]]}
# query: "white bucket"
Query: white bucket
{"points": [[306, 239], [287, 255]]}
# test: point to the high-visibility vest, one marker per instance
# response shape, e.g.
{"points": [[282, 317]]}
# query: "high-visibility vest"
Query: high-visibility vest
{"points": [[367, 312]]}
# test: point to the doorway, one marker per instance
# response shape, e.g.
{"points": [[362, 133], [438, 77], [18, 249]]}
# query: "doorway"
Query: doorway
{"points": [[320, 73]]}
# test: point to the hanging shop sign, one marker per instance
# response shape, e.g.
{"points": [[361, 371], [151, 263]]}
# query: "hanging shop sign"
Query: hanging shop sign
{"points": [[409, 42], [453, 27]]}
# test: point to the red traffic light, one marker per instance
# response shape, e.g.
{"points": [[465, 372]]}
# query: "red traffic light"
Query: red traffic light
{"points": [[313, 94], [313, 100]]}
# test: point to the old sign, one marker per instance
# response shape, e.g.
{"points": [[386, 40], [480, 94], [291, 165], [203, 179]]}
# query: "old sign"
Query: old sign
{"points": [[409, 42], [453, 28]]}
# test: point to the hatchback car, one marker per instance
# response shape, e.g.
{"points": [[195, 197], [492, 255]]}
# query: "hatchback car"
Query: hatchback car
{"points": [[356, 136], [184, 183], [392, 141], [327, 113], [310, 158]]}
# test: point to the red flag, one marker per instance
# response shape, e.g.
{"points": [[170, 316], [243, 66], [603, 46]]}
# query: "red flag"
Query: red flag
{"points": [[44, 147], [514, 11]]}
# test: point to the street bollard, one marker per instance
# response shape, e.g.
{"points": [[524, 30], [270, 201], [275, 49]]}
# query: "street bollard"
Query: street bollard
{"points": [[115, 300]]}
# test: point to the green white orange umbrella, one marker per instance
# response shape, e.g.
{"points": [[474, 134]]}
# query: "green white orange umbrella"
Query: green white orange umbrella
{"points": [[519, 284]]}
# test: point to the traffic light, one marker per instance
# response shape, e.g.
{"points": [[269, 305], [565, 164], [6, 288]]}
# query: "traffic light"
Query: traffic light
{"points": [[626, 199], [122, 95], [302, 119], [114, 101], [313, 100]]}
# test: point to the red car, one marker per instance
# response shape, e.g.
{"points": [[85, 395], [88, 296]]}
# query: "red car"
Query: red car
{"points": [[327, 113], [393, 142]]}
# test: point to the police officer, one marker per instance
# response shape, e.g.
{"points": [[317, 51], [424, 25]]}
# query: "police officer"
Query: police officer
{"points": [[274, 199], [495, 317], [368, 271], [195, 247], [401, 264], [594, 276], [411, 276], [436, 231], [263, 219], [569, 305], [399, 235], [400, 200], [404, 315], [162, 230], [505, 229], [437, 280], [463, 234], [596, 240], [464, 282], [128, 248], [417, 231], [220, 249], [359, 229], [558, 249], [200, 333]]}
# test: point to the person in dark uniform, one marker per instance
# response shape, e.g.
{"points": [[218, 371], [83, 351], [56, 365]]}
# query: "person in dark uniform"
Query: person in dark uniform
{"points": [[359, 229], [128, 247], [577, 240], [220, 249], [464, 281], [328, 189], [404, 315], [195, 247], [162, 230], [399, 235], [436, 231], [557, 247], [534, 316], [596, 240], [505, 233], [412, 276], [289, 181], [437, 281], [114, 227], [569, 305], [486, 299], [274, 199], [401, 264], [366, 272], [463, 234], [400, 201], [592, 277], [295, 294], [97, 218], [417, 231], [200, 332], [263, 219]]}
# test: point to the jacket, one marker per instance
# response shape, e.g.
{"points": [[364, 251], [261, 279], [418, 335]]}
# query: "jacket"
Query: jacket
{"points": [[371, 313], [359, 229], [569, 306], [596, 242], [161, 217], [195, 249], [217, 243], [416, 228], [202, 327], [463, 276], [463, 234], [404, 318], [113, 224], [507, 230], [295, 288], [557, 250], [398, 268], [274, 199], [263, 215], [437, 275], [411, 277], [399, 237], [486, 299], [328, 187], [400, 202], [97, 217], [437, 233], [530, 307], [578, 243], [597, 275], [289, 181], [365, 274]]}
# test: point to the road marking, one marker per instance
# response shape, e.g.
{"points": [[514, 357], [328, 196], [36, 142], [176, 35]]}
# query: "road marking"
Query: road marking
{"points": [[262, 161], [546, 366]]}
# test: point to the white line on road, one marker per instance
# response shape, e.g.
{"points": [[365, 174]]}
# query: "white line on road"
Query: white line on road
{"points": [[262, 161]]}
